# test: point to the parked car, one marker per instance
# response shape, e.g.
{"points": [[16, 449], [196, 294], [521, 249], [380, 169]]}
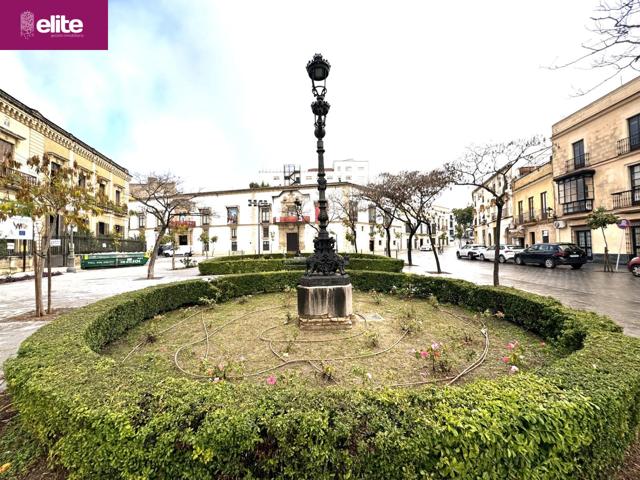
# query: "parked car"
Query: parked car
{"points": [[634, 266], [181, 250], [164, 247], [469, 251], [552, 254], [425, 248], [507, 252]]}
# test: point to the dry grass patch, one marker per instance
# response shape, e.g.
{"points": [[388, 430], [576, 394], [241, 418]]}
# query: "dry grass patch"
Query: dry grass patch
{"points": [[394, 341]]}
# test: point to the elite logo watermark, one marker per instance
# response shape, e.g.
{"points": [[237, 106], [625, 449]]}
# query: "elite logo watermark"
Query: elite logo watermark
{"points": [[54, 25]]}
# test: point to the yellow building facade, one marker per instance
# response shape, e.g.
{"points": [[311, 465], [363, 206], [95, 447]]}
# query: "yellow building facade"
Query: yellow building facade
{"points": [[25, 133], [596, 163], [533, 206]]}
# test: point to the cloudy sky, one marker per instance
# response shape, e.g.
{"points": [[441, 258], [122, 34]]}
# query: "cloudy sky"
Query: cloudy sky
{"points": [[216, 90]]}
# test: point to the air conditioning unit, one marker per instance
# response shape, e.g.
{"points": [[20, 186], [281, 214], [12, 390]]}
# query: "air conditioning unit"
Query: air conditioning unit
{"points": [[559, 224]]}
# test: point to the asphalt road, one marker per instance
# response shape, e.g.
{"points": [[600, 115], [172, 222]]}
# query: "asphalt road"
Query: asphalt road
{"points": [[615, 294]]}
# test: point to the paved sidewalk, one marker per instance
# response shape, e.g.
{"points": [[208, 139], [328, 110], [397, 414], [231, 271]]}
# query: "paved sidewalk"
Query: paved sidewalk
{"points": [[72, 290]]}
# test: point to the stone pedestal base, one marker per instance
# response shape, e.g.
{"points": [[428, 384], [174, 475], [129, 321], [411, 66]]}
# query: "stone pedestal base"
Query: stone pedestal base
{"points": [[322, 305]]}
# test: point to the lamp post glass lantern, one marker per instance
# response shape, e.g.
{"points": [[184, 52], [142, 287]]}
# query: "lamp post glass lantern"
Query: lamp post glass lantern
{"points": [[325, 291]]}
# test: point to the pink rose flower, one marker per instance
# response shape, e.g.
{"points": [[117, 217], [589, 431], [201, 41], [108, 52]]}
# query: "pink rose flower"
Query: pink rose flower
{"points": [[513, 369], [424, 353], [271, 380], [511, 346], [505, 359]]}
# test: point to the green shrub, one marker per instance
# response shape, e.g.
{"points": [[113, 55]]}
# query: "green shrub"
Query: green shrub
{"points": [[100, 419], [272, 263]]}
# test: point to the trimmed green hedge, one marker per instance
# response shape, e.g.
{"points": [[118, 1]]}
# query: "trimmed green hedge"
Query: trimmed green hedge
{"points": [[273, 263], [101, 419]]}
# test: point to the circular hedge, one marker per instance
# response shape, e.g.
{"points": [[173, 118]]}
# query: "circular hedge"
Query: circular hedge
{"points": [[100, 419], [279, 262]]}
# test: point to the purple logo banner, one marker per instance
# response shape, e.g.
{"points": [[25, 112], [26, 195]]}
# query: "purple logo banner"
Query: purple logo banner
{"points": [[54, 25]]}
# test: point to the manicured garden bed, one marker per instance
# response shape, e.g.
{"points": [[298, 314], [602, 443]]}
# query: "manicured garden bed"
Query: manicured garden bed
{"points": [[573, 418], [274, 262], [396, 340]]}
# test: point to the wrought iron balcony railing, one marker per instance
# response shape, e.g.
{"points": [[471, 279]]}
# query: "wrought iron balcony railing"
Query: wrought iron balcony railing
{"points": [[291, 219], [629, 144], [7, 172], [531, 216], [627, 198], [576, 163], [577, 207]]}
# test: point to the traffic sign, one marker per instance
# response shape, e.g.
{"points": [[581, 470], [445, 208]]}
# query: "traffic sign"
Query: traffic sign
{"points": [[624, 223]]}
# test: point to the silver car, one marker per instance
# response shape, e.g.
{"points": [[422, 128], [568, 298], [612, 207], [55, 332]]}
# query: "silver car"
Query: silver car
{"points": [[507, 252]]}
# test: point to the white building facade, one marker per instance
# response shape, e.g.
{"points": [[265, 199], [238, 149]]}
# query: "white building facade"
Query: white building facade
{"points": [[349, 171], [279, 220], [486, 212]]}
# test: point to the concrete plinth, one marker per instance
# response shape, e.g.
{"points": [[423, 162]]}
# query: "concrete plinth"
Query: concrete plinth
{"points": [[322, 305]]}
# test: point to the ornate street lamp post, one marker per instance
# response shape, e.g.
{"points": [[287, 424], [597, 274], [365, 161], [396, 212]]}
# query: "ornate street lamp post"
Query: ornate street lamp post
{"points": [[324, 292], [325, 260]]}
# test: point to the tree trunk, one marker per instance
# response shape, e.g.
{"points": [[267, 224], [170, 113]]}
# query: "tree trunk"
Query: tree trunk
{"points": [[38, 270], [48, 247], [410, 246], [388, 247], [607, 264], [154, 254], [355, 240], [433, 248], [496, 239]]}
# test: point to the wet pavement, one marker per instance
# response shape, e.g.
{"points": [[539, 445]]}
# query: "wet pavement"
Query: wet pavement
{"points": [[614, 294]]}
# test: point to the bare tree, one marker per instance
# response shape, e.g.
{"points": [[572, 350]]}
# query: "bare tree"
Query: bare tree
{"points": [[378, 194], [489, 167], [346, 206], [616, 46], [414, 194], [160, 196]]}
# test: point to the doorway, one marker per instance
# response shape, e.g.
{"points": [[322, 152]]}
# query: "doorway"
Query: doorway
{"points": [[532, 238], [635, 241], [292, 243], [583, 240]]}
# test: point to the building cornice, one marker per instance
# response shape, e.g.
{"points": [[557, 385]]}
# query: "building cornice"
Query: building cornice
{"points": [[35, 120]]}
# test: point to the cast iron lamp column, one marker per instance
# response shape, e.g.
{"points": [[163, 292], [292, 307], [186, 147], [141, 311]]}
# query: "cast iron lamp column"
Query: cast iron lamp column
{"points": [[324, 260]]}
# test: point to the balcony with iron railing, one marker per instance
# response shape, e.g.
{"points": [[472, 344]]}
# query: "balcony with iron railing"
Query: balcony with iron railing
{"points": [[627, 198], [576, 163], [531, 216], [7, 172], [292, 219], [629, 144], [578, 206]]}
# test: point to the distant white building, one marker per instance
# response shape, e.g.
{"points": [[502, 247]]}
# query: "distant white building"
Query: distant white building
{"points": [[286, 221], [349, 171], [278, 219]]}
